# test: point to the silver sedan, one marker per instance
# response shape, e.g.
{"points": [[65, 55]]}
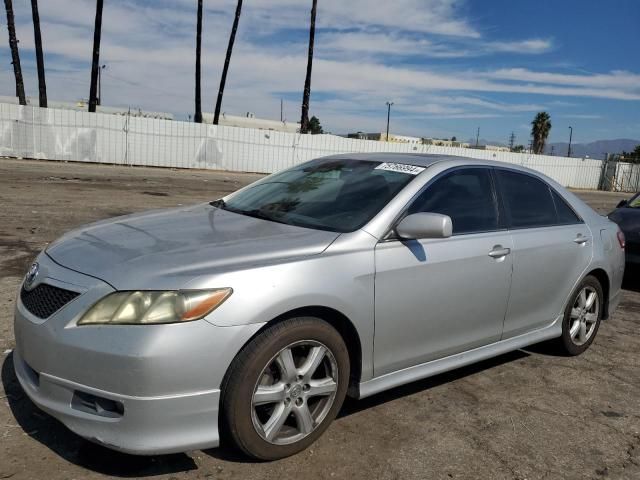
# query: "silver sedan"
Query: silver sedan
{"points": [[255, 315]]}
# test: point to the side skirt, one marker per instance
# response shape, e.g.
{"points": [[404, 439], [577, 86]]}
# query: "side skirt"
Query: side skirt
{"points": [[435, 367]]}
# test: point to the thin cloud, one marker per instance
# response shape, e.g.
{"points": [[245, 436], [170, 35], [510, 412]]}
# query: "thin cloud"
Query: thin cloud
{"points": [[527, 47]]}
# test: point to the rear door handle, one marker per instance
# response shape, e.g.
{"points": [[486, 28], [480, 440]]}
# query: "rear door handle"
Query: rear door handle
{"points": [[581, 240], [499, 252]]}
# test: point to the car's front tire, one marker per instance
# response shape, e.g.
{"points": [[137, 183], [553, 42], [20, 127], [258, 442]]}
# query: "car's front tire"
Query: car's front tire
{"points": [[284, 388], [582, 317]]}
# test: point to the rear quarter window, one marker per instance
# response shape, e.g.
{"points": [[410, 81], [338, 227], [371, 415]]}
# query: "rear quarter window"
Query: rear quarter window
{"points": [[566, 215]]}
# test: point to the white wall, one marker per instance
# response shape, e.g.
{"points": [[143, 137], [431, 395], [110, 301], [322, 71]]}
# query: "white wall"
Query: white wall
{"points": [[55, 134]]}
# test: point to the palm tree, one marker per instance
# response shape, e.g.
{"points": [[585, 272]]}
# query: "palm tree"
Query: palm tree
{"points": [[15, 55], [227, 61], [198, 115], [541, 126], [42, 83], [304, 123], [95, 65]]}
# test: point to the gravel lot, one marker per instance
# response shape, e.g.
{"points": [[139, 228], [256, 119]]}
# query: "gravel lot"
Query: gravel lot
{"points": [[526, 415]]}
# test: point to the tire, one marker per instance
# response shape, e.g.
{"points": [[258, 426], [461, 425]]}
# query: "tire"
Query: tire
{"points": [[275, 405], [580, 326]]}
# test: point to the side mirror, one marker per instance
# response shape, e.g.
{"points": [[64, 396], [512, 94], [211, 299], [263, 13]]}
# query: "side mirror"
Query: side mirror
{"points": [[622, 204], [425, 225]]}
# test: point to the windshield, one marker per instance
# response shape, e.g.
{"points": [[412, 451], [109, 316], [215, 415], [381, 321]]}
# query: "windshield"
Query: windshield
{"points": [[635, 202], [335, 195]]}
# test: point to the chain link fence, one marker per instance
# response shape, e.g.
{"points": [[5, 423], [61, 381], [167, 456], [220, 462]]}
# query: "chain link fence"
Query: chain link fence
{"points": [[620, 176]]}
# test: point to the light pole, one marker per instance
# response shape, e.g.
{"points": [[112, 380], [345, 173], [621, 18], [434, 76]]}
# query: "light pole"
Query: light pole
{"points": [[570, 140], [102, 67], [389, 105]]}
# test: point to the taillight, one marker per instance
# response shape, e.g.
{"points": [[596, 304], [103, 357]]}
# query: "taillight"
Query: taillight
{"points": [[622, 240]]}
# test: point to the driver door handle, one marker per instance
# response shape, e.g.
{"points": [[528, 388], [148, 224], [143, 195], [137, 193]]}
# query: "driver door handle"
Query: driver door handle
{"points": [[499, 252], [581, 240]]}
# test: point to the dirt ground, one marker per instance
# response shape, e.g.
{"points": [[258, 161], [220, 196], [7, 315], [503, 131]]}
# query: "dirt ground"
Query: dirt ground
{"points": [[525, 415]]}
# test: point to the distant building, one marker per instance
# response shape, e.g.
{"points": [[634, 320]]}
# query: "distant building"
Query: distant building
{"points": [[250, 121], [357, 136], [382, 137], [492, 148], [83, 106], [444, 143]]}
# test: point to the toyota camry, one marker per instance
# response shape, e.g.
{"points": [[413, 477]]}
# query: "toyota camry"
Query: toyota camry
{"points": [[252, 317]]}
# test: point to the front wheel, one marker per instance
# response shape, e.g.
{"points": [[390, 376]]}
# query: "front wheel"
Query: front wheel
{"points": [[285, 388], [582, 317]]}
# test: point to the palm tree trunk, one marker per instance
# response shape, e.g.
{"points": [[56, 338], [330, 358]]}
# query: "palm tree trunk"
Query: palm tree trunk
{"points": [[304, 123], [227, 61], [198, 115], [95, 65], [15, 55], [42, 83]]}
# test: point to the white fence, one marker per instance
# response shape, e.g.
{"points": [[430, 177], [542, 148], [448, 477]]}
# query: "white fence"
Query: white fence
{"points": [[56, 134]]}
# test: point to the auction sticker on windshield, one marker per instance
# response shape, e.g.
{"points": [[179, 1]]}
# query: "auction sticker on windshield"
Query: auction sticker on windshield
{"points": [[400, 168]]}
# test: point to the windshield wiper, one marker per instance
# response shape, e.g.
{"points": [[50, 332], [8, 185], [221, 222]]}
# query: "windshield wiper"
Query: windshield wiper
{"points": [[261, 215]]}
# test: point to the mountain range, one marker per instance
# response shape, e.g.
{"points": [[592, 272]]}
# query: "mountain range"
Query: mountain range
{"points": [[597, 149]]}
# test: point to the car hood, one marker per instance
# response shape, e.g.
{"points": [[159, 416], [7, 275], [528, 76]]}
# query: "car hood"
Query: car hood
{"points": [[169, 248], [629, 221]]}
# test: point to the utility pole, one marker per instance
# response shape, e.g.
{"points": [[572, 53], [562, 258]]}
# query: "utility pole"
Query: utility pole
{"points": [[282, 110], [570, 140], [478, 138], [512, 141], [389, 105]]}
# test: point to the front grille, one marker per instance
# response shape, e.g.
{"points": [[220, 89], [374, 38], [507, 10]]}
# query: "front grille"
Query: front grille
{"points": [[45, 300]]}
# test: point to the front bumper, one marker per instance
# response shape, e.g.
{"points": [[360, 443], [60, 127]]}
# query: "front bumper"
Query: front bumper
{"points": [[137, 389], [146, 426]]}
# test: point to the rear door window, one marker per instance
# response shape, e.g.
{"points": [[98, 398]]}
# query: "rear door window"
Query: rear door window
{"points": [[528, 201]]}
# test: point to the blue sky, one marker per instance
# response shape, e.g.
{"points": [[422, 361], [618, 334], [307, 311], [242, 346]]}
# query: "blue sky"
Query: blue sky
{"points": [[450, 66]]}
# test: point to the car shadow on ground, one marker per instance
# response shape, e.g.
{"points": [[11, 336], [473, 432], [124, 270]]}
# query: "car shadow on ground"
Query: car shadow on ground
{"points": [[51, 433], [352, 406], [74, 449], [55, 436]]}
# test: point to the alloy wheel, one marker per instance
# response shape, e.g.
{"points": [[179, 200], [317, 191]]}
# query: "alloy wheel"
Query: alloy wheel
{"points": [[294, 392], [584, 316]]}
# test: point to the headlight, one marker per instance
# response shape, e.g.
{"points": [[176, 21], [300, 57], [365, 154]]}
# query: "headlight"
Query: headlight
{"points": [[154, 308]]}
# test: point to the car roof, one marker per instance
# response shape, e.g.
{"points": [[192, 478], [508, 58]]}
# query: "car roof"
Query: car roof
{"points": [[428, 159]]}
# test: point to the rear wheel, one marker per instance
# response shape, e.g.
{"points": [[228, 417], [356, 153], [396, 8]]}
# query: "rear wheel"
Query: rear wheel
{"points": [[582, 317], [285, 388]]}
